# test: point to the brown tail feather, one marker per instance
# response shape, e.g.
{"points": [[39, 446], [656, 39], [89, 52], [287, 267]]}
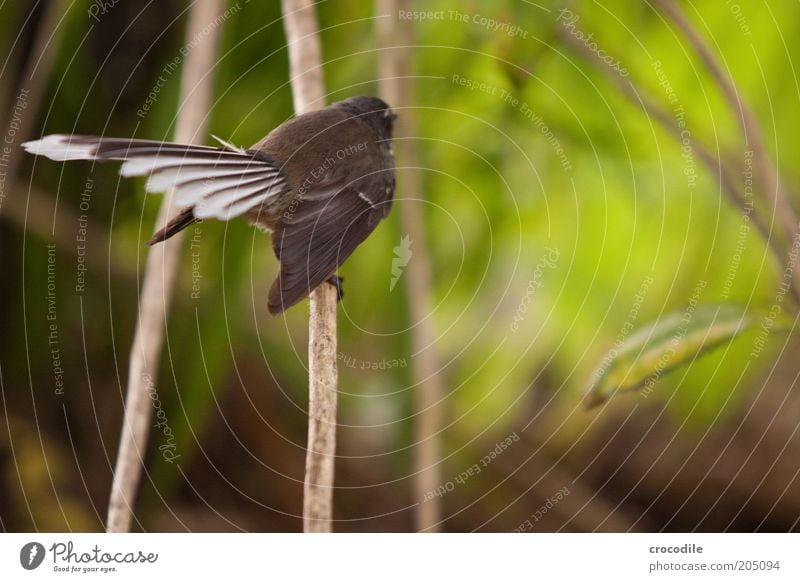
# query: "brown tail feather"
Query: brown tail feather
{"points": [[174, 226]]}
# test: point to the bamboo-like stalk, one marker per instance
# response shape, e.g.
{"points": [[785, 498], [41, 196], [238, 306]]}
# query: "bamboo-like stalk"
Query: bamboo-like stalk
{"points": [[772, 188], [639, 96], [728, 176], [308, 90], [396, 86], [160, 272], [751, 130]]}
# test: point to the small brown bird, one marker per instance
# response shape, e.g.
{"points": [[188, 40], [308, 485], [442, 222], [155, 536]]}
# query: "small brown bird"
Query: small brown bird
{"points": [[321, 182]]}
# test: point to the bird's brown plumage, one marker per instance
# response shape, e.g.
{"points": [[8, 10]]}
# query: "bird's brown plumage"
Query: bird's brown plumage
{"points": [[332, 208], [320, 182]]}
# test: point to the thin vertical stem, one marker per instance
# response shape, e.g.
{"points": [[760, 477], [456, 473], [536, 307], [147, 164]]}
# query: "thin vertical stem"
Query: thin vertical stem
{"points": [[308, 89], [160, 272], [396, 84], [751, 131]]}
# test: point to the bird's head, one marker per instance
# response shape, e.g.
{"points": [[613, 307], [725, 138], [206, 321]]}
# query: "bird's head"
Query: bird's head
{"points": [[374, 111]]}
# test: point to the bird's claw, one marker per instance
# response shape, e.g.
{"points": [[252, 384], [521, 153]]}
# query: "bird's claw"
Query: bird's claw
{"points": [[336, 281]]}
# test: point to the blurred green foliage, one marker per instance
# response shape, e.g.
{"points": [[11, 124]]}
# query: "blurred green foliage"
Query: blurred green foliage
{"points": [[498, 199]]}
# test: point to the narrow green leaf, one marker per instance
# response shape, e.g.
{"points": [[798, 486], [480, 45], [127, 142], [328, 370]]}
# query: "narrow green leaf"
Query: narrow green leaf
{"points": [[676, 339]]}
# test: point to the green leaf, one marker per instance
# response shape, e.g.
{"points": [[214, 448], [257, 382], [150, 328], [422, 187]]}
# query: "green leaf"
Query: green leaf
{"points": [[677, 338]]}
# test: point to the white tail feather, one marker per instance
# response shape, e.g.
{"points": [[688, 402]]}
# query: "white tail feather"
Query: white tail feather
{"points": [[228, 145], [215, 205], [59, 148], [172, 177]]}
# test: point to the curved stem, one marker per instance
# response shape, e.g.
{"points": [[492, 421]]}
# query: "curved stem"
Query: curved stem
{"points": [[428, 391], [159, 276]]}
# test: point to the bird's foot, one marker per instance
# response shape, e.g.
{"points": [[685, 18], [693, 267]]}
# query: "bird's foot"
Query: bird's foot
{"points": [[336, 281]]}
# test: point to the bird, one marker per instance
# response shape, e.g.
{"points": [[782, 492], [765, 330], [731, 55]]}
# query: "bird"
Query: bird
{"points": [[321, 182]]}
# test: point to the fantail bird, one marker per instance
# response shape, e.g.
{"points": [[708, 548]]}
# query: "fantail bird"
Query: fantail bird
{"points": [[321, 182]]}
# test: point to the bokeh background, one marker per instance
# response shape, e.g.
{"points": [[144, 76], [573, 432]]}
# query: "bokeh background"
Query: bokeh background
{"points": [[559, 212]]}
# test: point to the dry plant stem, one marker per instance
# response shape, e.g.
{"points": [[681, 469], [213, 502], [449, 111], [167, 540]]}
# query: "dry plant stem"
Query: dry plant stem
{"points": [[160, 273], [727, 176], [322, 378], [639, 96], [396, 85], [750, 127], [308, 90], [751, 131]]}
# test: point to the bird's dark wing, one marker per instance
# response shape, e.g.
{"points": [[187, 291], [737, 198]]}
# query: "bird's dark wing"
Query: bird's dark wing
{"points": [[320, 229], [214, 182]]}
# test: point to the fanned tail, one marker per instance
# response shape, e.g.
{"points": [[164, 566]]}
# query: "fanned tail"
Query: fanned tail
{"points": [[215, 182]]}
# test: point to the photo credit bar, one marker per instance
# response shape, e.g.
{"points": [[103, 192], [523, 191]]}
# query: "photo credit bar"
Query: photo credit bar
{"points": [[478, 556]]}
